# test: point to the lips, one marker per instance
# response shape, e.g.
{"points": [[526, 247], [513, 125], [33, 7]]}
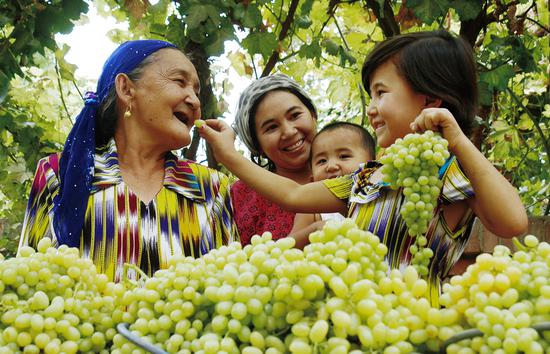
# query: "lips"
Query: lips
{"points": [[378, 124], [294, 146], [181, 117]]}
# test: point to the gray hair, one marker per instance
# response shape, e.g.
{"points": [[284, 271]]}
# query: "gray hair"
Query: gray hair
{"points": [[252, 95]]}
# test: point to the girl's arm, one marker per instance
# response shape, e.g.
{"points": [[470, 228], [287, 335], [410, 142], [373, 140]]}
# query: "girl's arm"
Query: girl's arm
{"points": [[496, 202], [307, 198]]}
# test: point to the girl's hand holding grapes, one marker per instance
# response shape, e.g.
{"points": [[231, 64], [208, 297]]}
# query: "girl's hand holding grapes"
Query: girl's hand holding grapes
{"points": [[439, 120], [219, 135]]}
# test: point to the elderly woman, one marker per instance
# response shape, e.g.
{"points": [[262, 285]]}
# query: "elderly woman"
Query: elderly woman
{"points": [[116, 191]]}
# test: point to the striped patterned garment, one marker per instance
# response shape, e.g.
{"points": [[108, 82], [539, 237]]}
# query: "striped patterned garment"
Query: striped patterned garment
{"points": [[375, 207], [191, 214]]}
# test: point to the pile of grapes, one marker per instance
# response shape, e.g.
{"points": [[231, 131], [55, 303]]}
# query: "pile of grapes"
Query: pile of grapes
{"points": [[332, 297], [335, 296], [413, 163], [505, 296], [53, 301]]}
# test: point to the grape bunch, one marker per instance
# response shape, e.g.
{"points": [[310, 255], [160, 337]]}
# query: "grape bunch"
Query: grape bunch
{"points": [[53, 301], [413, 163], [268, 297], [504, 295]]}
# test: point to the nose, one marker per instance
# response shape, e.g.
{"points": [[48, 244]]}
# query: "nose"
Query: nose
{"points": [[371, 108], [192, 100], [288, 129], [332, 166]]}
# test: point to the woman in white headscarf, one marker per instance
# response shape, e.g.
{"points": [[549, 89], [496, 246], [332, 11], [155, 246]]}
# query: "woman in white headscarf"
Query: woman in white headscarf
{"points": [[276, 120]]}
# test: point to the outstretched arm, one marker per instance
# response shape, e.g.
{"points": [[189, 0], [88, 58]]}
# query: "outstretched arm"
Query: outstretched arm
{"points": [[496, 201], [307, 198]]}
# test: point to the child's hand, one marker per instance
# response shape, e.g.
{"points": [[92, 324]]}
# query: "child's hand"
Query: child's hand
{"points": [[439, 120], [219, 135]]}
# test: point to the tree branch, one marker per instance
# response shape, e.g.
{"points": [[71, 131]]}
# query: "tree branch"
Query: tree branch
{"points": [[58, 77], [470, 29], [282, 35], [340, 33], [385, 17], [544, 28], [190, 152]]}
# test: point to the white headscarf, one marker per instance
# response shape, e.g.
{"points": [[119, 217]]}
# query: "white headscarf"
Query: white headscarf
{"points": [[250, 97]]}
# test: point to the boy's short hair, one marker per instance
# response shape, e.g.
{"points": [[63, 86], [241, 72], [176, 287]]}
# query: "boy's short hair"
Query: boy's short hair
{"points": [[434, 63], [367, 141]]}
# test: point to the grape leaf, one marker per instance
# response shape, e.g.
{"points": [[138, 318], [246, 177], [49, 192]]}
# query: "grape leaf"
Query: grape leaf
{"points": [[429, 10], [263, 43]]}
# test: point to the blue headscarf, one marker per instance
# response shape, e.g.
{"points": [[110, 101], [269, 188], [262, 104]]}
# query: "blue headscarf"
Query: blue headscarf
{"points": [[76, 167]]}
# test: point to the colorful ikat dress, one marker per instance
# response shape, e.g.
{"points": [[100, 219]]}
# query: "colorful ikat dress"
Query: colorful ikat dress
{"points": [[191, 214], [375, 208]]}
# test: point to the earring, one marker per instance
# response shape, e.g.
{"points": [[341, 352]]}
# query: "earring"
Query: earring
{"points": [[128, 112]]}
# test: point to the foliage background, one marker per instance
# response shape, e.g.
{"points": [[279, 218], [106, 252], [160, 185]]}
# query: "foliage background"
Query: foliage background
{"points": [[320, 43]]}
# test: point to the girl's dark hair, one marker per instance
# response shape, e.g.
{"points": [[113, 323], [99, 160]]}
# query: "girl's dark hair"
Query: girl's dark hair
{"points": [[367, 141], [264, 161], [107, 113], [434, 63]]}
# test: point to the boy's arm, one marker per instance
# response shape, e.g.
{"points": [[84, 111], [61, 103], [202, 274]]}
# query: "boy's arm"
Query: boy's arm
{"points": [[307, 198], [496, 201], [304, 224]]}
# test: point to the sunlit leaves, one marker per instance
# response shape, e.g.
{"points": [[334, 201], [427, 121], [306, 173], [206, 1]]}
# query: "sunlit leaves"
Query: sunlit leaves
{"points": [[429, 10], [198, 14], [26, 28], [311, 51], [249, 16], [263, 43], [331, 47]]}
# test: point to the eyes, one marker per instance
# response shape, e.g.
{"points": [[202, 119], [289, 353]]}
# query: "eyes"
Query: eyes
{"points": [[341, 157], [184, 82], [293, 116], [379, 93]]}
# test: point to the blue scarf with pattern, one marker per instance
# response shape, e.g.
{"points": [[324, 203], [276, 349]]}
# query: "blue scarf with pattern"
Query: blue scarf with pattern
{"points": [[76, 167]]}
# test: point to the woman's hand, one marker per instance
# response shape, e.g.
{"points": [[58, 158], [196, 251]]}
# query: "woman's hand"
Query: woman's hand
{"points": [[439, 120], [219, 135]]}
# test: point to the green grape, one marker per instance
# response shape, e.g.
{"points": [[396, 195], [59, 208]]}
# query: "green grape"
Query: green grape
{"points": [[54, 301], [424, 153], [499, 295]]}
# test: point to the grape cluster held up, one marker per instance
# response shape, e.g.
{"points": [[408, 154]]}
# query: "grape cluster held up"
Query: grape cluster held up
{"points": [[413, 163]]}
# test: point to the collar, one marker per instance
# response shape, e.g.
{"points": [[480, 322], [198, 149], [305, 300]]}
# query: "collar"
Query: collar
{"points": [[178, 174]]}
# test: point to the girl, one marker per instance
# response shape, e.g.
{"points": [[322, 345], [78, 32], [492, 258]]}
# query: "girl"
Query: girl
{"points": [[417, 81], [276, 120]]}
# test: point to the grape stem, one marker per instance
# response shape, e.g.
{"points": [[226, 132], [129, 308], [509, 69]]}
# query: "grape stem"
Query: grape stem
{"points": [[142, 276], [472, 333], [519, 245], [122, 328]]}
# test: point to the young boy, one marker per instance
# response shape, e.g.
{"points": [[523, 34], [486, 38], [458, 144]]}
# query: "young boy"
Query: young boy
{"points": [[338, 149]]}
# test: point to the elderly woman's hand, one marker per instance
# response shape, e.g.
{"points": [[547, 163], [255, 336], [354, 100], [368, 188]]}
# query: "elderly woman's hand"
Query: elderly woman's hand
{"points": [[219, 135]]}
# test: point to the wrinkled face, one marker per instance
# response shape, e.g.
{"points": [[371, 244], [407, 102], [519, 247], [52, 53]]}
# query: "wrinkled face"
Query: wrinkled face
{"points": [[285, 128], [166, 102], [394, 104], [336, 153]]}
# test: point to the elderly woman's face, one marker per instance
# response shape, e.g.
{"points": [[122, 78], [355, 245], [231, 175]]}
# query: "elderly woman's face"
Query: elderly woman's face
{"points": [[166, 102], [285, 128]]}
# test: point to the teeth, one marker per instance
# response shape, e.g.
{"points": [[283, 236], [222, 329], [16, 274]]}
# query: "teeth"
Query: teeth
{"points": [[294, 146]]}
